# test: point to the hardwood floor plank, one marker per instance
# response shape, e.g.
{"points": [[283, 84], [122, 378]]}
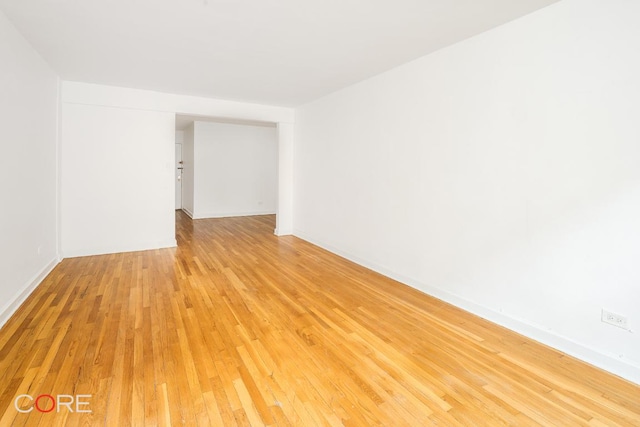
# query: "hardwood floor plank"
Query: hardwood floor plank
{"points": [[239, 327]]}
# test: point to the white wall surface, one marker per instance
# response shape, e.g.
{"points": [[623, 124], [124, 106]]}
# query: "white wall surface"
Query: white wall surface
{"points": [[177, 165], [501, 174], [178, 173], [284, 216], [236, 170], [143, 100], [28, 119], [187, 172], [117, 180], [179, 136], [86, 93]]}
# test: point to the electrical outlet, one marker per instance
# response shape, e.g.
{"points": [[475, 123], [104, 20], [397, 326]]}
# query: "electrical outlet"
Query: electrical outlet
{"points": [[614, 319]]}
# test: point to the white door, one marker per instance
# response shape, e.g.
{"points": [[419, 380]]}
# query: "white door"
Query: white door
{"points": [[178, 176]]}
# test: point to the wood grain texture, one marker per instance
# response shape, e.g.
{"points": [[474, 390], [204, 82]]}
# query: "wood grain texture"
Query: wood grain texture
{"points": [[239, 327]]}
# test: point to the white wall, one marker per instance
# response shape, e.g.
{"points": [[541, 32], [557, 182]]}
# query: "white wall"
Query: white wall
{"points": [[284, 215], [188, 177], [236, 170], [117, 180], [92, 95], [86, 93], [178, 182], [501, 174], [28, 119], [179, 136]]}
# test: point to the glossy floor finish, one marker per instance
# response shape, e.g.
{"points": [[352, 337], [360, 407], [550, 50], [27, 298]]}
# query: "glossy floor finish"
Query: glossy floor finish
{"points": [[239, 327]]}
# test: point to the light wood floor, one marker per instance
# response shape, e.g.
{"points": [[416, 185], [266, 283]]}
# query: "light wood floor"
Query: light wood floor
{"points": [[239, 327]]}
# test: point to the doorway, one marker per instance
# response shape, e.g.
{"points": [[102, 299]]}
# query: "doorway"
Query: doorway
{"points": [[184, 125]]}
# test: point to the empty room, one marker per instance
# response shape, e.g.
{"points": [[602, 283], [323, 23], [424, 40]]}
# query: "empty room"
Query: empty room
{"points": [[310, 213]]}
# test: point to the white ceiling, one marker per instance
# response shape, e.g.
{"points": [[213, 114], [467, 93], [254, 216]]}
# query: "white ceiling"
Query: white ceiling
{"points": [[279, 52]]}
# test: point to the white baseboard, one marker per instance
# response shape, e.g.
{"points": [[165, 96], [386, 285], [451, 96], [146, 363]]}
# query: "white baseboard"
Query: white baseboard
{"points": [[188, 212], [283, 232], [206, 215], [609, 363], [102, 250], [12, 306]]}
